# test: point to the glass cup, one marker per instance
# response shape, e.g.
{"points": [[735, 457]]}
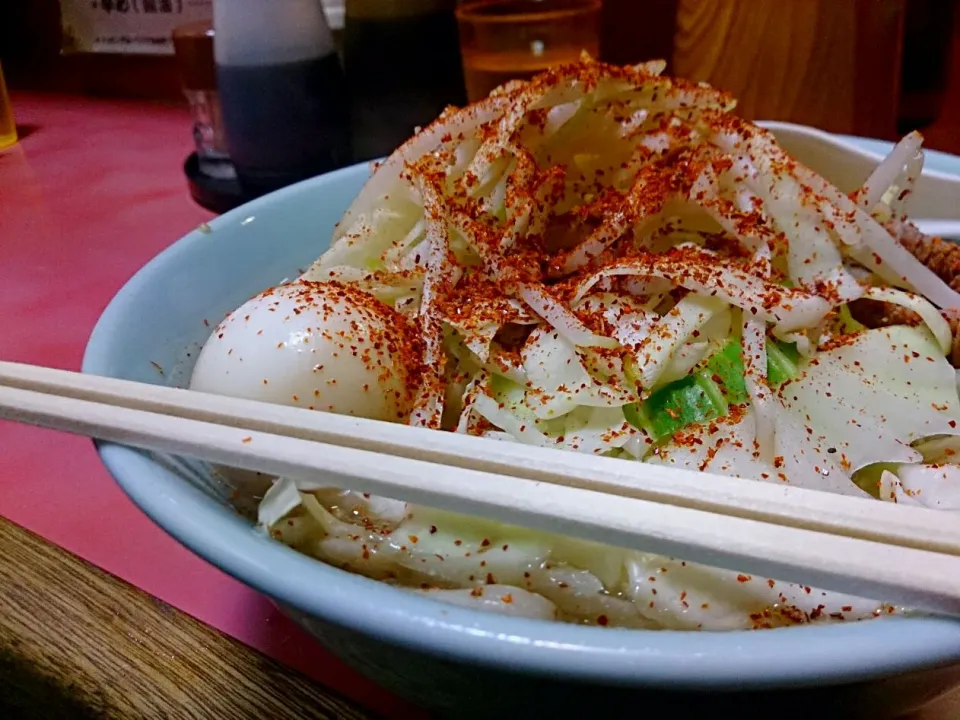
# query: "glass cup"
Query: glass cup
{"points": [[8, 129], [193, 46], [502, 40]]}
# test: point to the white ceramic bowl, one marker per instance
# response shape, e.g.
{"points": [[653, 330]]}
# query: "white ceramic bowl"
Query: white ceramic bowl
{"points": [[459, 661]]}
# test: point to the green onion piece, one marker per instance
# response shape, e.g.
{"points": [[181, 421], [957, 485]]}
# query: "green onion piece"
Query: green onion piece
{"points": [[782, 359], [706, 395], [714, 393], [632, 414], [499, 385], [688, 401], [631, 369], [726, 369], [868, 478]]}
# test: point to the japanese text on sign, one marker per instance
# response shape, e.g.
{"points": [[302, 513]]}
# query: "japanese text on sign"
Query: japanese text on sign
{"points": [[128, 26]]}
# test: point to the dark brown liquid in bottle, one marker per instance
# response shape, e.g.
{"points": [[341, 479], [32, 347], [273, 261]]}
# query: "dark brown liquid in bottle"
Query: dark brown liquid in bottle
{"points": [[284, 122], [402, 71]]}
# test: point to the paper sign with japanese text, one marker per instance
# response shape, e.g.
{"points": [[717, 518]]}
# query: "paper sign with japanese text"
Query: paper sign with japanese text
{"points": [[127, 26]]}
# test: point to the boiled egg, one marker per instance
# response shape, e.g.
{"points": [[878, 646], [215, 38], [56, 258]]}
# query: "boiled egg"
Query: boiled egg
{"points": [[315, 345]]}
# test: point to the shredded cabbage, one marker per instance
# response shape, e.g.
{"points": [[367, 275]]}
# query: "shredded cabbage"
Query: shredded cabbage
{"points": [[607, 261]]}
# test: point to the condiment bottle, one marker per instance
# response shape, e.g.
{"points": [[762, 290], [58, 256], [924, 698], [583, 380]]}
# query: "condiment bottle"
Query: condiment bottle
{"points": [[282, 91], [402, 62]]}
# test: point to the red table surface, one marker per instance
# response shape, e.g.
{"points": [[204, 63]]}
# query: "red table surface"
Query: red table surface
{"points": [[93, 191]]}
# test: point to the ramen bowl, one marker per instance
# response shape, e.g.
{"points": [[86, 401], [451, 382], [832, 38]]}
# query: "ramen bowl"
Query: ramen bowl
{"points": [[457, 661]]}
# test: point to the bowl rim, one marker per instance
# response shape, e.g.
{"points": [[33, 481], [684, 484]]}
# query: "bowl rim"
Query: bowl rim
{"points": [[698, 660]]}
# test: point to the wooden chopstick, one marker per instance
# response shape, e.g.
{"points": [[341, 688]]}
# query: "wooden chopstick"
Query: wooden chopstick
{"points": [[773, 502], [898, 565]]}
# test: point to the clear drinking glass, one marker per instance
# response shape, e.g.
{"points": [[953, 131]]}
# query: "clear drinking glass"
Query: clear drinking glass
{"points": [[503, 40], [8, 129], [193, 44]]}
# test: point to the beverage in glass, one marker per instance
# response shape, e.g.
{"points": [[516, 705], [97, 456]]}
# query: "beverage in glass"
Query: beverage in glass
{"points": [[502, 40], [8, 129]]}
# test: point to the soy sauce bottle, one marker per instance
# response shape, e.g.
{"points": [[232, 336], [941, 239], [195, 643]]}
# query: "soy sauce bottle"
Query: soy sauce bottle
{"points": [[403, 67], [282, 91]]}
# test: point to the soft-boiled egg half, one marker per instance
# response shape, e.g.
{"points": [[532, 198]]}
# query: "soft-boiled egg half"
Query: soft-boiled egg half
{"points": [[315, 345]]}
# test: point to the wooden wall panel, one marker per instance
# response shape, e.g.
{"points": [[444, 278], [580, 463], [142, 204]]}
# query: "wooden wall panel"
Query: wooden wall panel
{"points": [[829, 63]]}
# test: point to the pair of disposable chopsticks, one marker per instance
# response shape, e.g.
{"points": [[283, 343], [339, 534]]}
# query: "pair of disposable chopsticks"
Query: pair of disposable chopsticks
{"points": [[902, 555]]}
